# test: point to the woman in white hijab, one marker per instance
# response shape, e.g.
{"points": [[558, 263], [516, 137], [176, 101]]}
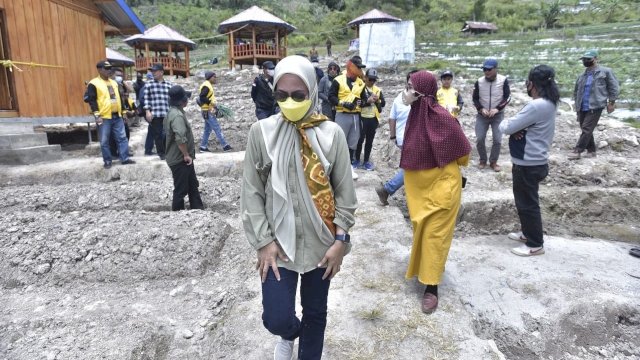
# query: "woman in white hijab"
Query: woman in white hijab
{"points": [[297, 205]]}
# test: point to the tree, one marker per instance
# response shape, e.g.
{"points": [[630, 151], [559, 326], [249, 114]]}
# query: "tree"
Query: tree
{"points": [[550, 14], [478, 10]]}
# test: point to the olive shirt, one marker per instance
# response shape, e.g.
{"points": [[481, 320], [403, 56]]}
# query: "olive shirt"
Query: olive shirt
{"points": [[178, 132], [257, 196]]}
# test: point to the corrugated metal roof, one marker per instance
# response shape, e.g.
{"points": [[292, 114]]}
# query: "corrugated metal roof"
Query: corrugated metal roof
{"points": [[373, 16], [160, 33], [254, 16], [478, 25], [115, 56], [120, 15]]}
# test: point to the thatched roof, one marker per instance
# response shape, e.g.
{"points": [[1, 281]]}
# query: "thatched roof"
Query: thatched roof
{"points": [[254, 16], [479, 26], [160, 35], [116, 57], [373, 16]]}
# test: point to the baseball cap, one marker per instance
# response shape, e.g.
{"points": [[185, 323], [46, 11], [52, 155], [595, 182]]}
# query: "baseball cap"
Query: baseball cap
{"points": [[446, 73], [269, 65], [590, 54], [209, 74], [104, 64], [157, 67], [372, 74], [314, 59], [357, 61], [490, 64], [178, 94]]}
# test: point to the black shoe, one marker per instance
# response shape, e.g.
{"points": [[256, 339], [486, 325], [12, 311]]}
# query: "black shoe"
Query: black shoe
{"points": [[383, 195], [227, 148], [204, 149], [149, 154], [107, 165], [162, 157], [127, 162]]}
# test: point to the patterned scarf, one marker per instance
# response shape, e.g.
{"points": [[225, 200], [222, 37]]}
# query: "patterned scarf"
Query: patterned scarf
{"points": [[315, 175]]}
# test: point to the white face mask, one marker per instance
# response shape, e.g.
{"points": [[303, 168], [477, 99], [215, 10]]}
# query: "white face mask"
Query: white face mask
{"points": [[119, 79], [409, 97], [271, 72]]}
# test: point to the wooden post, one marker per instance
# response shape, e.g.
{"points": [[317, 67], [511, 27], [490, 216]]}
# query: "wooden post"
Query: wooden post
{"points": [[253, 34], [186, 59], [278, 43], [230, 50], [146, 55], [286, 45], [170, 62]]}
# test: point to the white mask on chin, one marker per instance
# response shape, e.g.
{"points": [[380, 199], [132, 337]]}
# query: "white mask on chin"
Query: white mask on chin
{"points": [[409, 97]]}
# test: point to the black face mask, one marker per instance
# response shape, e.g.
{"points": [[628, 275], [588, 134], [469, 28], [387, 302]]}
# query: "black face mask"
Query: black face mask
{"points": [[587, 63]]}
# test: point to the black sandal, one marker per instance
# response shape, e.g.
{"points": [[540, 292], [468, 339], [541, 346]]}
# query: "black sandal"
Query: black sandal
{"points": [[635, 252]]}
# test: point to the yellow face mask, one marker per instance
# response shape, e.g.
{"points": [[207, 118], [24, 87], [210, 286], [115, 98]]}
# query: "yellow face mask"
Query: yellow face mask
{"points": [[294, 110]]}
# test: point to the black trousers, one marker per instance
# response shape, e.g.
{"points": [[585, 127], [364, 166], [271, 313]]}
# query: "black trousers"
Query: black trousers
{"points": [[157, 132], [588, 121], [185, 183], [525, 193], [369, 126]]}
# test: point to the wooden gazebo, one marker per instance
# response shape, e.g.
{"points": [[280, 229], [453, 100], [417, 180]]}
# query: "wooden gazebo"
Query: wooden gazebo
{"points": [[478, 27], [161, 44], [373, 16], [119, 60], [255, 36]]}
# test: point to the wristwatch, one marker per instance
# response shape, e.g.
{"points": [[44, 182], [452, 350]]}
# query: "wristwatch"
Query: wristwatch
{"points": [[345, 238]]}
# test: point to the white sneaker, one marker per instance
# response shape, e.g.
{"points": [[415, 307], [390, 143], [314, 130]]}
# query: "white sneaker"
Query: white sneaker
{"points": [[354, 175], [283, 350], [518, 236], [524, 250]]}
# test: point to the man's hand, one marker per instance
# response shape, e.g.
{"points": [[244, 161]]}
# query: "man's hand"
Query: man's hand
{"points": [[610, 108], [519, 135], [99, 120], [484, 112], [267, 259], [148, 116], [333, 259], [493, 112], [187, 159], [348, 105]]}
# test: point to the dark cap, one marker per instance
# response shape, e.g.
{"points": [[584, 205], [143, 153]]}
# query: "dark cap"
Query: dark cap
{"points": [[590, 54], [268, 65], [157, 67], [177, 94], [446, 73], [104, 64], [314, 59], [372, 74], [209, 74], [490, 64], [357, 61]]}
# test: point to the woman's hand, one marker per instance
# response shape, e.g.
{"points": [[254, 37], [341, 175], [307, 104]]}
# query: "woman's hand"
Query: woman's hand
{"points": [[267, 258], [333, 259]]}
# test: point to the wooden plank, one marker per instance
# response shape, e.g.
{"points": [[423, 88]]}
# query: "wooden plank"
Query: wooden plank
{"points": [[20, 51], [59, 58], [54, 74], [39, 55]]}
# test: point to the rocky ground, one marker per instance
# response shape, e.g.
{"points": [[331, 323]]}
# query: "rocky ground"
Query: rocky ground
{"points": [[93, 265]]}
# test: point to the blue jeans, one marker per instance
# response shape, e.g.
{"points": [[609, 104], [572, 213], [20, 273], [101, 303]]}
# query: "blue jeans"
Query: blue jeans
{"points": [[279, 309], [113, 127], [525, 193], [482, 127], [396, 182], [211, 123]]}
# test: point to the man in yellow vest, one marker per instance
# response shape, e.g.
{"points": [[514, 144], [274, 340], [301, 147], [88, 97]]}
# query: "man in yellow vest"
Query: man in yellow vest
{"points": [[448, 96], [346, 94], [207, 102], [106, 105]]}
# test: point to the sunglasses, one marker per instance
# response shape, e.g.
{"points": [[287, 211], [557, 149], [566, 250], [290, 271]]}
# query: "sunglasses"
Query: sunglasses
{"points": [[487, 69], [297, 95]]}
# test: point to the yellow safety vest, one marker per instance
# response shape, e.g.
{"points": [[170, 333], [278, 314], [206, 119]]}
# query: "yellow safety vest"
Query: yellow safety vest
{"points": [[348, 95], [448, 98], [370, 112], [210, 96], [106, 104]]}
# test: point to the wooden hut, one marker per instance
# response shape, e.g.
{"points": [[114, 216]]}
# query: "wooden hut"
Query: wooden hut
{"points": [[255, 36], [478, 27], [372, 16], [162, 44], [54, 46], [121, 61]]}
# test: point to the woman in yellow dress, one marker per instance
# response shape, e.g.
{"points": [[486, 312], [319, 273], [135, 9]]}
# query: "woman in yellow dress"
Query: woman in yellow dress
{"points": [[434, 149]]}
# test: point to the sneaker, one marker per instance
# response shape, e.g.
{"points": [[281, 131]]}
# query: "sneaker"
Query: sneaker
{"points": [[227, 148], [283, 350], [383, 195], [355, 164], [518, 236], [482, 165], [573, 156], [524, 250], [107, 165], [495, 167], [591, 154], [204, 149], [354, 175], [368, 165]]}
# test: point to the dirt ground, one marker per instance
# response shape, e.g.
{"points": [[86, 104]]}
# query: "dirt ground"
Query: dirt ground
{"points": [[94, 265]]}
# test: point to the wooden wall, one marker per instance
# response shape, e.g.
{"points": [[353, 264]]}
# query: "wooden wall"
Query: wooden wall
{"points": [[68, 33]]}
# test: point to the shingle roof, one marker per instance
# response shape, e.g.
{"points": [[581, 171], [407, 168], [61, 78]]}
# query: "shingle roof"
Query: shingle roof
{"points": [[373, 16], [254, 16], [478, 25], [162, 34], [115, 56]]}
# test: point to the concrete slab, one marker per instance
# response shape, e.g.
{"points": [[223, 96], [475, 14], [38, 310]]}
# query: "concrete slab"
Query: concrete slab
{"points": [[18, 141], [30, 155]]}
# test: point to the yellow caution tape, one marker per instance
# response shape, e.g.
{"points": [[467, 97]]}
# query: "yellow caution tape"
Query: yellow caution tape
{"points": [[10, 64]]}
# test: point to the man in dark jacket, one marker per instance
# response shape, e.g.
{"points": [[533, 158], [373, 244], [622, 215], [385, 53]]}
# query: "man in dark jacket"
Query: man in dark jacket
{"points": [[323, 90], [262, 92]]}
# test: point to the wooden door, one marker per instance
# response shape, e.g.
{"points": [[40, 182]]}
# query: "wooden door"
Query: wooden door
{"points": [[7, 92]]}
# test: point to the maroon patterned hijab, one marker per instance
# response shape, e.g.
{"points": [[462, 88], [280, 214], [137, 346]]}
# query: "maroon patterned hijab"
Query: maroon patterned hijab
{"points": [[433, 138]]}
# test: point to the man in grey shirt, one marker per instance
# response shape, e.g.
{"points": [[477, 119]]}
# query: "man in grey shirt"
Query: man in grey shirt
{"points": [[323, 90]]}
